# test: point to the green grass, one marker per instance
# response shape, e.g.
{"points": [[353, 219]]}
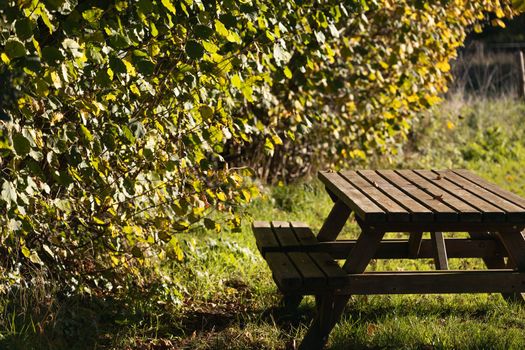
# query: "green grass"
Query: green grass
{"points": [[221, 295]]}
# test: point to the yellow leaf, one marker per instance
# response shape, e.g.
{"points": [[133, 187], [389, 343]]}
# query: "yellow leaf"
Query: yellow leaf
{"points": [[443, 66], [498, 22], [5, 59], [26, 251], [168, 5], [477, 28], [287, 73]]}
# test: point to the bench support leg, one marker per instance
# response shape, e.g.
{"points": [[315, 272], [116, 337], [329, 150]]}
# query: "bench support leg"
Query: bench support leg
{"points": [[330, 307], [497, 262], [414, 244], [514, 243], [291, 301], [440, 251]]}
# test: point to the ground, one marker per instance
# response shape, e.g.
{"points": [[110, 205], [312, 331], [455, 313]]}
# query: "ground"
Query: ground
{"points": [[221, 294]]}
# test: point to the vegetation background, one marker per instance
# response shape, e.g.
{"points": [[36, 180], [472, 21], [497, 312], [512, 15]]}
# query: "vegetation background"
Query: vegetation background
{"points": [[135, 136]]}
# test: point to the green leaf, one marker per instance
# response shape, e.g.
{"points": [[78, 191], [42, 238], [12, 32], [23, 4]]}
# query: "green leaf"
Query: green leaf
{"points": [[168, 5], [117, 65], [51, 55], [206, 112], [119, 41], [93, 15], [21, 145], [24, 28], [15, 48], [202, 31], [145, 66], [194, 49]]}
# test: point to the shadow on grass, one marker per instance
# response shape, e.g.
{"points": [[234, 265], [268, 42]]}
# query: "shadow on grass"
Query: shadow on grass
{"points": [[104, 323]]}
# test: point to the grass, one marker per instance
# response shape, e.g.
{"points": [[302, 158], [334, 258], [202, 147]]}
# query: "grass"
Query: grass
{"points": [[221, 295]]}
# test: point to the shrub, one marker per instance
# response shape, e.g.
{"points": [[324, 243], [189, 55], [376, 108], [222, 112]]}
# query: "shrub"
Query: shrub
{"points": [[121, 119]]}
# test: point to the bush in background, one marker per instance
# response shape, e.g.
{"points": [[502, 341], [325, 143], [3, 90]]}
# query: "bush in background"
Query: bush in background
{"points": [[125, 122]]}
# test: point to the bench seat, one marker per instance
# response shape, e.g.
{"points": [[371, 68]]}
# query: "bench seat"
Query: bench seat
{"points": [[296, 268]]}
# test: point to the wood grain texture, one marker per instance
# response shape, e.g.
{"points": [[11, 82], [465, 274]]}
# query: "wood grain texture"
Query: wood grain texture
{"points": [[466, 212], [352, 197], [418, 212], [394, 211]]}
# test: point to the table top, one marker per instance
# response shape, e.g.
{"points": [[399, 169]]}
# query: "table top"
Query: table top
{"points": [[422, 196]]}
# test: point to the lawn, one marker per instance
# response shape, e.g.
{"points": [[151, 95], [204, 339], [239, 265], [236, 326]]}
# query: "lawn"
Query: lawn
{"points": [[220, 295]]}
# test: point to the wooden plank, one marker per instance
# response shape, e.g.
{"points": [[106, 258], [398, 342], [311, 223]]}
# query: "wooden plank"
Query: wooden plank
{"points": [[335, 221], [363, 251], [312, 275], [443, 226], [466, 212], [513, 212], [284, 233], [394, 211], [418, 211], [495, 281], [264, 236], [399, 249], [507, 195], [414, 244], [335, 274], [442, 212], [440, 251], [284, 272], [352, 197], [304, 234], [489, 211]]}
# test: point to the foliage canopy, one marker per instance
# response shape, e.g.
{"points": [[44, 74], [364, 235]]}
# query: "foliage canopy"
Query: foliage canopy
{"points": [[121, 120]]}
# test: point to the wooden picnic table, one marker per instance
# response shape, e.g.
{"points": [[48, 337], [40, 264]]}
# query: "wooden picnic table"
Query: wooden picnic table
{"points": [[411, 201]]}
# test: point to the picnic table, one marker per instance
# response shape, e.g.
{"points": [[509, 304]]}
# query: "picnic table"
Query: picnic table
{"points": [[410, 201]]}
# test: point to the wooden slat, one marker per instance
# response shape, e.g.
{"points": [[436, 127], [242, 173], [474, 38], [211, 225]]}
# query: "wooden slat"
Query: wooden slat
{"points": [[352, 197], [489, 211], [399, 249], [394, 211], [304, 234], [443, 226], [466, 212], [284, 233], [285, 274], [495, 281], [513, 212], [507, 195], [442, 212], [264, 236], [418, 212], [312, 275], [335, 274]]}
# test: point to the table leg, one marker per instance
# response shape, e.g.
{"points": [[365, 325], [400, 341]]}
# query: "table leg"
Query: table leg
{"points": [[330, 306], [334, 223], [514, 243]]}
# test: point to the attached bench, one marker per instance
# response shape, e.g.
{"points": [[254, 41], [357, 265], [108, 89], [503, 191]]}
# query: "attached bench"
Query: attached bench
{"points": [[295, 270]]}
